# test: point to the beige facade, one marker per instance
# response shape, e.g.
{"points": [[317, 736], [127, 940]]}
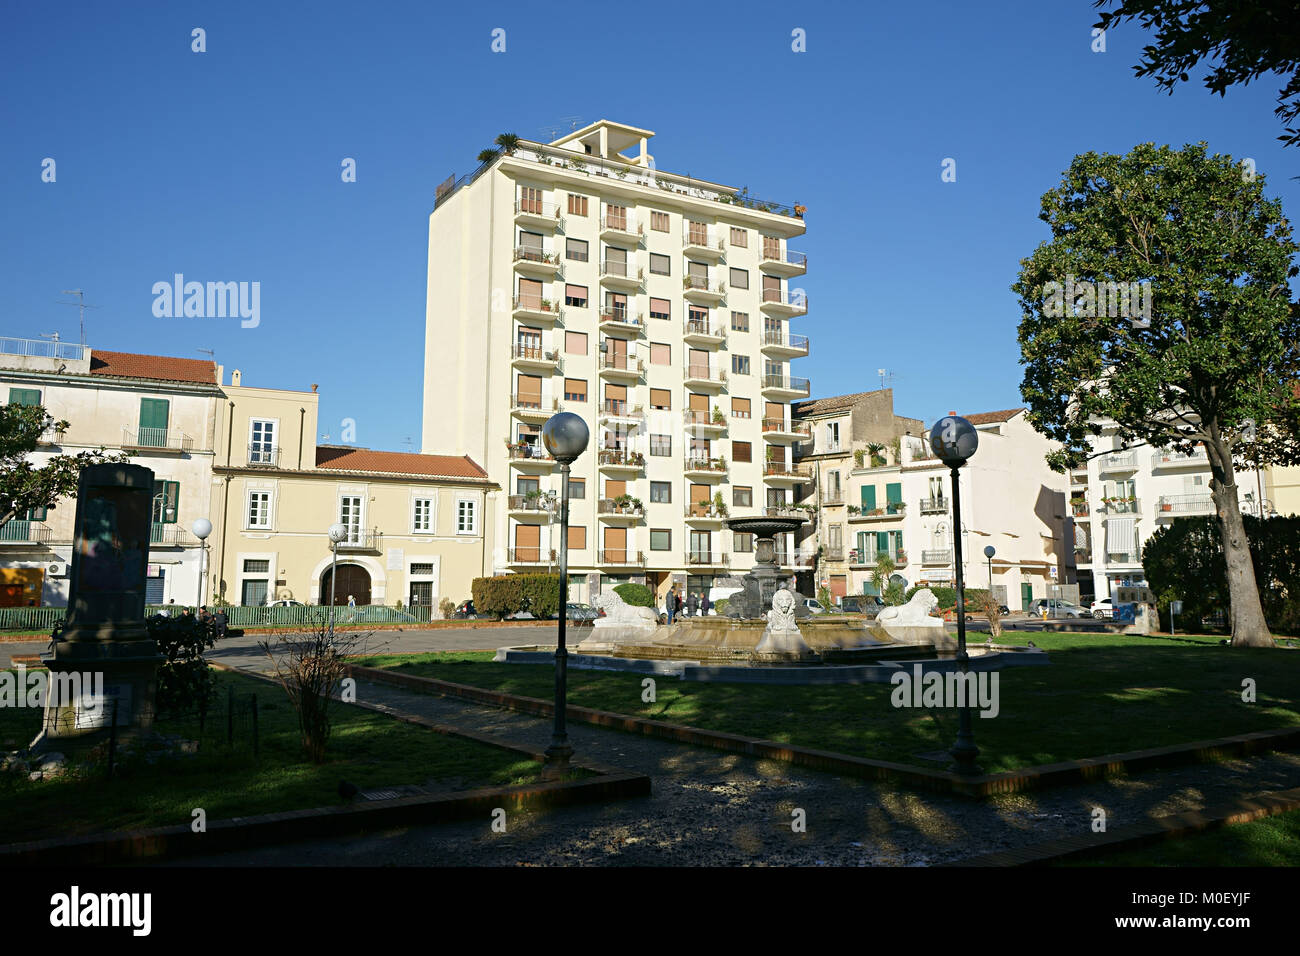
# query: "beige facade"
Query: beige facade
{"points": [[566, 276], [1282, 489]]}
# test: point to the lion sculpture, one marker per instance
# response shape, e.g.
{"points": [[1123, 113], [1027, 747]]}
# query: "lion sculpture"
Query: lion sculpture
{"points": [[915, 613], [618, 613]]}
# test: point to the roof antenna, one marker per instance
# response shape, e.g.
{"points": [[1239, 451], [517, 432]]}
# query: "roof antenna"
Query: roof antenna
{"points": [[81, 304], [886, 377]]}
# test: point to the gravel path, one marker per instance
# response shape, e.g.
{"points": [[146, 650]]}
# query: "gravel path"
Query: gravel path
{"points": [[720, 809]]}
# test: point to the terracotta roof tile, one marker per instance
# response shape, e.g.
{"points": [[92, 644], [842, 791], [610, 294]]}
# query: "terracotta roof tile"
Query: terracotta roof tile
{"points": [[821, 406], [989, 418], [161, 368], [339, 458]]}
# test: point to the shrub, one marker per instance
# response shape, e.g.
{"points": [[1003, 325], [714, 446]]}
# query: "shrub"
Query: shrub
{"points": [[721, 606], [185, 681], [447, 607], [539, 594], [635, 595]]}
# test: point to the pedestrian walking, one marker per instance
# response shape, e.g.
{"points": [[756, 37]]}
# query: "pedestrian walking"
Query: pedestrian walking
{"points": [[670, 603], [692, 603], [704, 604]]}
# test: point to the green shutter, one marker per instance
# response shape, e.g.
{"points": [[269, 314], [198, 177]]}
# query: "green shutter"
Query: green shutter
{"points": [[882, 540], [894, 494], [37, 514], [167, 495], [24, 396], [153, 413], [868, 498], [898, 539], [864, 550]]}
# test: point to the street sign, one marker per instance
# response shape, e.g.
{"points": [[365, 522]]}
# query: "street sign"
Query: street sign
{"points": [[1176, 607]]}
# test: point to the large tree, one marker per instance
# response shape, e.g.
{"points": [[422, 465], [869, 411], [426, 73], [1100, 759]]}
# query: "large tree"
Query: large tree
{"points": [[1210, 355], [25, 484], [1240, 40]]}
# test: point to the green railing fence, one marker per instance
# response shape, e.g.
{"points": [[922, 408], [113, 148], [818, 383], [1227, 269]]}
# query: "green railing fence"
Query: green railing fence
{"points": [[44, 618]]}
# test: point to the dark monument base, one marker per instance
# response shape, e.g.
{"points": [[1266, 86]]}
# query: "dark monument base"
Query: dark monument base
{"points": [[109, 677]]}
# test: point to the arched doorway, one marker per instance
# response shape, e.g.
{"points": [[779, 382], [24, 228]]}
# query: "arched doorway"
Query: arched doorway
{"points": [[353, 580]]}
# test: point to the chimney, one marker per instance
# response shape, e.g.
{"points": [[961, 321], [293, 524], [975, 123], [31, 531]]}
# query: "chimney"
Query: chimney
{"points": [[235, 377], [314, 386]]}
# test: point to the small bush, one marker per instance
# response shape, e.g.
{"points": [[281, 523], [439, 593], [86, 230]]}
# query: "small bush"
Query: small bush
{"points": [[721, 606], [540, 594], [636, 595], [504, 594], [185, 682], [447, 607]]}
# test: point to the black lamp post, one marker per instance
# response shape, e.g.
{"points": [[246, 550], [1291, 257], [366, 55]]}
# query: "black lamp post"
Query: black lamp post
{"points": [[954, 440], [565, 436], [988, 553]]}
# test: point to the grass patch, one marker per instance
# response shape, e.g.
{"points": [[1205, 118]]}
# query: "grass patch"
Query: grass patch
{"points": [[1102, 693], [1272, 841], [367, 749]]}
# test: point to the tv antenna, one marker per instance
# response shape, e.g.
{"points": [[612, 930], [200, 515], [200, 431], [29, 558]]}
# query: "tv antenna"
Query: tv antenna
{"points": [[409, 442], [886, 377], [553, 129], [81, 304]]}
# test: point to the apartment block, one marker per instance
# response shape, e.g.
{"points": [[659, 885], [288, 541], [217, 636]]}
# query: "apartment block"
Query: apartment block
{"points": [[576, 276]]}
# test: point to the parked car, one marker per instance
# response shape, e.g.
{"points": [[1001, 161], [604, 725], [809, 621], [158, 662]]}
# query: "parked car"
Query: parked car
{"points": [[868, 604], [1057, 607], [814, 607], [464, 610], [1103, 608]]}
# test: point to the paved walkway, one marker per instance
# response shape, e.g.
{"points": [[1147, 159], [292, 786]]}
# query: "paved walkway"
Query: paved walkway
{"points": [[715, 808]]}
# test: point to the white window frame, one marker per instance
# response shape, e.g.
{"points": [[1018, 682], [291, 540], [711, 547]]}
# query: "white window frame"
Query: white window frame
{"points": [[248, 510], [275, 436], [432, 516], [473, 504], [361, 515]]}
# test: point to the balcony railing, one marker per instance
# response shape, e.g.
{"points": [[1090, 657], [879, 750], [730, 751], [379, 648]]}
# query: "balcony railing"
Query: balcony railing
{"points": [[871, 557], [704, 509], [788, 384], [703, 329], [1172, 459], [612, 506], [541, 503], [1118, 461], [534, 254], [23, 531], [621, 557], [786, 469], [934, 505], [171, 535], [1121, 506], [534, 403], [624, 222], [1185, 504], [695, 416], [537, 208], [622, 315], [833, 500], [797, 559], [833, 552], [263, 454], [701, 237], [163, 438], [615, 408], [359, 540], [706, 464], [796, 302], [535, 303], [792, 342], [936, 557], [791, 258], [534, 353], [43, 348], [708, 559], [791, 428], [1079, 509], [701, 284], [621, 456], [621, 270], [1122, 557], [787, 511], [51, 436], [528, 451], [702, 373], [529, 555], [620, 362]]}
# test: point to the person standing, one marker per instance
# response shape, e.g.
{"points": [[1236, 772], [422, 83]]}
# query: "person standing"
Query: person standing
{"points": [[692, 602], [704, 604], [670, 603]]}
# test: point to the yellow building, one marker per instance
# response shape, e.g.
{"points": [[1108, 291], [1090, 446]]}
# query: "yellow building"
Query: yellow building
{"points": [[1282, 489]]}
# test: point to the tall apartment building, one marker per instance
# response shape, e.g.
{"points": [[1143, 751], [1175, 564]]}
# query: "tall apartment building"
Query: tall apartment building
{"points": [[569, 276], [840, 436]]}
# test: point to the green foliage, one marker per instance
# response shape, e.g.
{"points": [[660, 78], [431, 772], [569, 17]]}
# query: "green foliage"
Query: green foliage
{"points": [[635, 595], [446, 607], [947, 596], [185, 682], [721, 606], [1184, 561], [539, 594], [824, 597]]}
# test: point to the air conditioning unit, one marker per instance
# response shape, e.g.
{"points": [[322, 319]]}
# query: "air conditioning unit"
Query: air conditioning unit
{"points": [[57, 569]]}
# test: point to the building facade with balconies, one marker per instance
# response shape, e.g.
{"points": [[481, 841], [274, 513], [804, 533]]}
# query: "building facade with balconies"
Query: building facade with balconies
{"points": [[161, 410], [570, 276], [849, 445]]}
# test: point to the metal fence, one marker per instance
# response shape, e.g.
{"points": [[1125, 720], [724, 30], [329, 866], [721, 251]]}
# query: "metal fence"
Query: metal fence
{"points": [[45, 618]]}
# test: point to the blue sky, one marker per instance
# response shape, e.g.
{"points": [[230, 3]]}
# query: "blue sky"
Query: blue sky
{"points": [[225, 166]]}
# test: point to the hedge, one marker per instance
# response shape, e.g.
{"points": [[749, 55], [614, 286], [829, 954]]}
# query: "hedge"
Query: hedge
{"points": [[539, 594], [947, 596], [636, 595]]}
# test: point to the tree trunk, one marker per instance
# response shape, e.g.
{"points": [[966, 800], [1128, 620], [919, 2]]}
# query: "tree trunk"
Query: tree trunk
{"points": [[1249, 629]]}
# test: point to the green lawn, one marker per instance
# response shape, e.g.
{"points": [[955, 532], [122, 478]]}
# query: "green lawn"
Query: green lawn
{"points": [[1273, 841], [367, 749], [1101, 694]]}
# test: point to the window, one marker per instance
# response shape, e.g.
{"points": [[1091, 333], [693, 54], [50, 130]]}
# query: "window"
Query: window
{"points": [[740, 321], [740, 238], [530, 200], [577, 538], [615, 217], [740, 408], [661, 492], [697, 319], [697, 233], [772, 248], [661, 353], [575, 295], [739, 278], [466, 516], [577, 489], [742, 497], [575, 389], [660, 309], [740, 364], [661, 539], [166, 502], [742, 451], [423, 518], [153, 422], [350, 517], [575, 343], [524, 485], [577, 205], [257, 566], [742, 542], [660, 398], [661, 446], [422, 570], [659, 221], [660, 265], [261, 442], [259, 509], [832, 435], [575, 249], [24, 396]]}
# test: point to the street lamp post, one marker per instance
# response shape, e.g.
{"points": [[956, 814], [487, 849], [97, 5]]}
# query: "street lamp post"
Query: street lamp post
{"points": [[565, 436], [202, 527], [337, 532], [989, 551], [954, 440]]}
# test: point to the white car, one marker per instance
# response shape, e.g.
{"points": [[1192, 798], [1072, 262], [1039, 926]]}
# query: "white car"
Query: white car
{"points": [[1103, 608]]}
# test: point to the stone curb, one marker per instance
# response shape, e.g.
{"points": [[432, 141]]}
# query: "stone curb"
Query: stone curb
{"points": [[1146, 833], [984, 785]]}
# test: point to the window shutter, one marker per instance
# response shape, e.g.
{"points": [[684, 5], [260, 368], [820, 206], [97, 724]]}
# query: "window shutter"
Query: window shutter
{"points": [[868, 497], [894, 493]]}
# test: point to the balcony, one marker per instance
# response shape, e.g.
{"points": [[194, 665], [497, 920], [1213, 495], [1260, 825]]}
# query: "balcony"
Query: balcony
{"points": [[162, 535], [621, 228], [1173, 460], [536, 505], [1079, 509], [619, 412], [534, 212], [703, 513], [1116, 463], [937, 558], [774, 263], [536, 310], [894, 509], [540, 263], [1082, 555], [358, 540], [531, 556], [784, 472], [868, 559], [621, 275], [619, 366], [934, 506], [801, 560], [22, 531], [1171, 506], [1122, 506], [263, 456], [783, 386], [619, 557], [51, 436], [699, 289], [703, 243], [533, 407], [621, 320], [701, 422], [708, 559], [833, 499], [833, 552], [535, 357], [789, 304], [616, 510], [781, 345], [702, 333], [711, 469], [781, 431], [620, 460], [788, 511], [703, 377], [529, 456], [161, 440], [1130, 558]]}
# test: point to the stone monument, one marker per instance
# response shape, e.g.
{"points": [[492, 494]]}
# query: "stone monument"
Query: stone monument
{"points": [[104, 644], [782, 640], [622, 623]]}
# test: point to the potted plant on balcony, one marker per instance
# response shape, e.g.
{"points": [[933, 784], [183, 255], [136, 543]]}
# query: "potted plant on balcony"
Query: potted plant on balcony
{"points": [[855, 509], [719, 505], [874, 450], [718, 417], [859, 456]]}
